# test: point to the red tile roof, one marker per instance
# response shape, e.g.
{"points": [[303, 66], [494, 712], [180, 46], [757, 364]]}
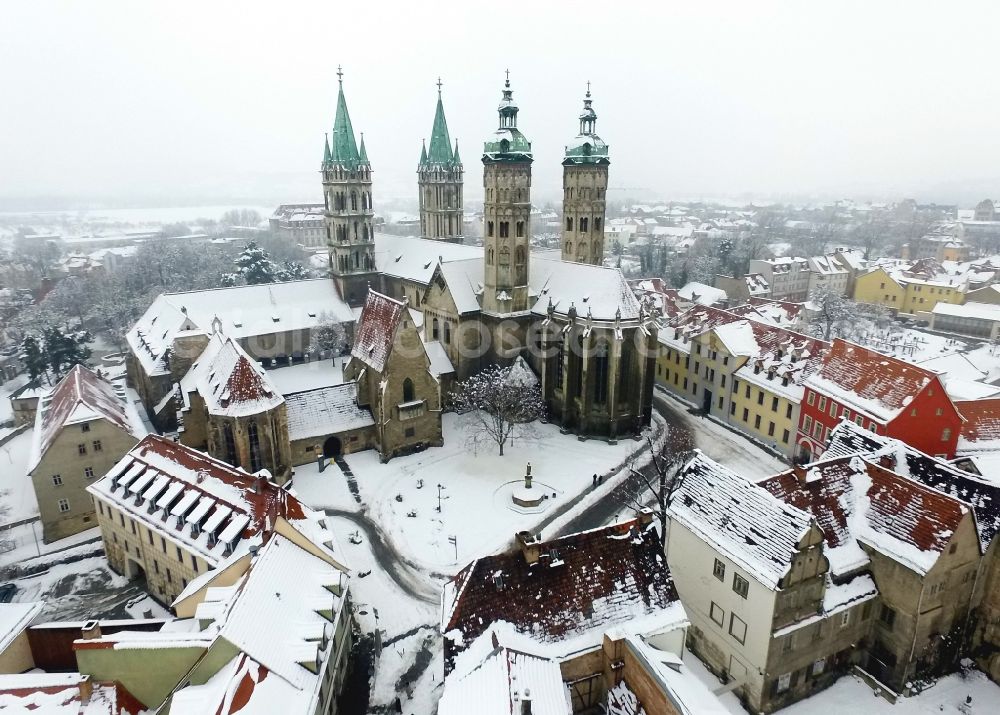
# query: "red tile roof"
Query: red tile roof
{"points": [[982, 422], [593, 579], [881, 385], [892, 506], [376, 328]]}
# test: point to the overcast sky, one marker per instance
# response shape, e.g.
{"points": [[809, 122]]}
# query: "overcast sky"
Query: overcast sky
{"points": [[176, 100]]}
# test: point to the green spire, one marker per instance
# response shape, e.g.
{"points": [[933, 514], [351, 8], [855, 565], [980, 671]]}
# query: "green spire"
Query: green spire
{"points": [[364, 154], [423, 152], [455, 158], [326, 149], [440, 151], [343, 149]]}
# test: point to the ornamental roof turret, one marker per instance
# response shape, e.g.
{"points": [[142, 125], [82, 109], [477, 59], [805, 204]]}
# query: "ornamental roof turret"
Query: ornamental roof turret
{"points": [[587, 147], [440, 150], [508, 143], [343, 148]]}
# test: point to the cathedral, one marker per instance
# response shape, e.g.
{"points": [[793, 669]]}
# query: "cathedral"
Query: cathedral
{"points": [[575, 321]]}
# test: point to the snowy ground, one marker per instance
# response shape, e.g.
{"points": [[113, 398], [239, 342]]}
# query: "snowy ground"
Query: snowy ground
{"points": [[477, 483], [850, 695], [16, 490], [308, 375], [6, 412]]}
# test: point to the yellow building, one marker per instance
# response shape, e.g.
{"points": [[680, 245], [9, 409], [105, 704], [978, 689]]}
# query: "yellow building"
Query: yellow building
{"points": [[907, 291], [878, 287], [923, 295]]}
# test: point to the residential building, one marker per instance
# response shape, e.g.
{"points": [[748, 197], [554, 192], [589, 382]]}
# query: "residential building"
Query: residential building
{"points": [[753, 575], [169, 513], [66, 694], [828, 273], [975, 320], [787, 276], [880, 393], [15, 650], [987, 210], [82, 428], [301, 224], [565, 595], [741, 289], [915, 289]]}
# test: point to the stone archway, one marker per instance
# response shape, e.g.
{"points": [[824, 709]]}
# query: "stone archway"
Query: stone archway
{"points": [[332, 447]]}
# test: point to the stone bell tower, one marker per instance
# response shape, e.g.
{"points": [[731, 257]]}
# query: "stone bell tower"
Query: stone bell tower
{"points": [[585, 185], [439, 179], [506, 212], [349, 213]]}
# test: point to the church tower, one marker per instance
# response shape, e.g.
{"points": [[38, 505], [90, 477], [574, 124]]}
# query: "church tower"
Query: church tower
{"points": [[348, 215], [506, 212], [439, 180], [585, 183]]}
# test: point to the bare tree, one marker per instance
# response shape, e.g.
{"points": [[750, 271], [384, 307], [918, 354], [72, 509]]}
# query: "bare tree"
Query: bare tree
{"points": [[831, 311], [659, 478], [329, 336], [498, 400]]}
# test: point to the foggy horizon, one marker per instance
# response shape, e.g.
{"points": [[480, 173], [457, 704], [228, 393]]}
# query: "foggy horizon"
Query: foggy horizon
{"points": [[116, 104]]}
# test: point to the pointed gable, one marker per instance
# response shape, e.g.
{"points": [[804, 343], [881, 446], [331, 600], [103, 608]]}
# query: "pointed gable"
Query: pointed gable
{"points": [[981, 429], [229, 382], [376, 328]]}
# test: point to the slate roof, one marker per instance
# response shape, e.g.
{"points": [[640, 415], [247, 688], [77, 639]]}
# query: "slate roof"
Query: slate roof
{"points": [[81, 396], [325, 411], [376, 328], [744, 521], [170, 488], [868, 381], [847, 439], [981, 429], [854, 499], [582, 583]]}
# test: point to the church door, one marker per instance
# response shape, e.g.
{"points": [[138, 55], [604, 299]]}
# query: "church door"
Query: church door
{"points": [[331, 448]]}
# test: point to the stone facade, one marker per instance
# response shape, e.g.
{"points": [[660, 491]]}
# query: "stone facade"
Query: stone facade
{"points": [[440, 184], [585, 185]]}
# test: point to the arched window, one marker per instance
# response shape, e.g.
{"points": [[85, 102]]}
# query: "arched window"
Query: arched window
{"points": [[504, 256], [504, 229], [357, 260], [489, 228], [447, 333], [520, 229], [597, 224], [489, 257], [354, 201], [407, 390], [569, 224], [254, 441], [560, 357], [519, 255], [364, 200], [601, 374], [364, 232], [569, 248], [583, 225], [434, 329], [582, 250], [230, 443], [355, 230]]}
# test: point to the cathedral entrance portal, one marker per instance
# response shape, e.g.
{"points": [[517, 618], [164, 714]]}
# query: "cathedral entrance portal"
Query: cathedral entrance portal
{"points": [[331, 448]]}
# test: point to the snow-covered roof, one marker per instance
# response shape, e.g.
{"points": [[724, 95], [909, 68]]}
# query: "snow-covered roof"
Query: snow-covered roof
{"points": [[826, 265], [870, 382], [599, 291], [465, 282], [40, 693], [243, 311], [414, 259], [981, 428], [858, 502], [490, 678], [14, 618], [740, 519], [376, 329], [440, 362], [195, 500], [229, 381], [579, 586], [81, 396], [702, 294], [325, 411], [976, 311], [983, 494]]}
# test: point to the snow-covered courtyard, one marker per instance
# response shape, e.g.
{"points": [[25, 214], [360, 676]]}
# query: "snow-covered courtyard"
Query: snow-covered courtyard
{"points": [[402, 495]]}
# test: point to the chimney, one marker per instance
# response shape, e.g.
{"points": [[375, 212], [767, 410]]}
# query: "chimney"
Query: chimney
{"points": [[530, 547], [86, 689], [644, 518], [91, 630]]}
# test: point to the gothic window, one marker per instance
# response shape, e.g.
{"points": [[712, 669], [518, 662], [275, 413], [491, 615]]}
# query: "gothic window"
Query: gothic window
{"points": [[364, 232], [364, 200], [355, 230], [354, 201], [569, 248], [583, 225], [576, 372], [489, 228], [582, 250], [504, 256], [254, 441], [519, 255], [230, 443], [327, 233], [447, 333], [489, 257], [560, 355], [623, 369], [357, 261], [601, 374], [504, 145], [597, 224], [569, 224], [520, 229], [407, 390], [434, 329], [504, 229]]}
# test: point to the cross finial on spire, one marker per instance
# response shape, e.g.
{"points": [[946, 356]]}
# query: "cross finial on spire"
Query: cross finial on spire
{"points": [[588, 87], [439, 86], [507, 82], [340, 74]]}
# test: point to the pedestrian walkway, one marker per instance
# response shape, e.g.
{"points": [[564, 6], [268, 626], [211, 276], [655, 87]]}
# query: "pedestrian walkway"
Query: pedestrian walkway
{"points": [[352, 482]]}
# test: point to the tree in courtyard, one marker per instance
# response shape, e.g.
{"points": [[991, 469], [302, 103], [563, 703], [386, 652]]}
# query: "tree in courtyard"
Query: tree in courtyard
{"points": [[33, 356], [254, 266], [292, 271], [65, 349], [659, 479], [329, 336], [830, 311], [499, 399]]}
